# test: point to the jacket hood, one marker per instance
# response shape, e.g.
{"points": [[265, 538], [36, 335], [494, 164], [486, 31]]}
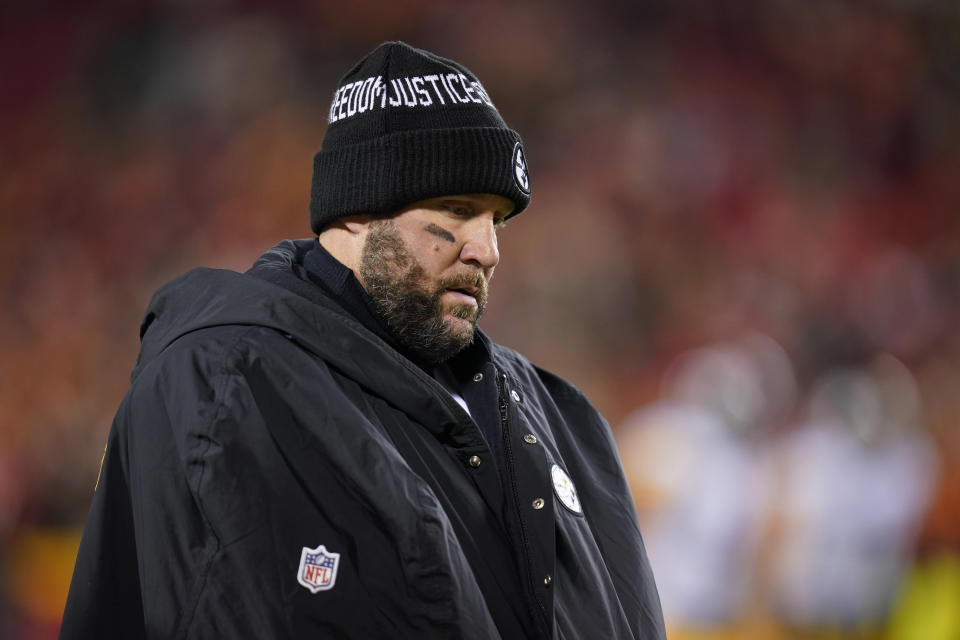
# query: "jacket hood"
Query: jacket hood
{"points": [[276, 294], [204, 297]]}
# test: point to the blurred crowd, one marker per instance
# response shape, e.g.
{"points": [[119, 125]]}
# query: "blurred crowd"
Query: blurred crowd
{"points": [[743, 245]]}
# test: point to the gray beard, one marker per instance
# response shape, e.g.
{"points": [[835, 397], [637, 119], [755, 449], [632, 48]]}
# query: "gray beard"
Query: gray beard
{"points": [[396, 282]]}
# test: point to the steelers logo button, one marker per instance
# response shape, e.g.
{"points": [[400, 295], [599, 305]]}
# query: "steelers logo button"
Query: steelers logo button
{"points": [[520, 175], [565, 490]]}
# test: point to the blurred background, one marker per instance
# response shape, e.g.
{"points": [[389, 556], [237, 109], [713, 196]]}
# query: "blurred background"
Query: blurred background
{"points": [[743, 245]]}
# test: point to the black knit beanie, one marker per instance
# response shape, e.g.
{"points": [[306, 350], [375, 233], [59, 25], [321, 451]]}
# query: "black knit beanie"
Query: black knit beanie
{"points": [[406, 125]]}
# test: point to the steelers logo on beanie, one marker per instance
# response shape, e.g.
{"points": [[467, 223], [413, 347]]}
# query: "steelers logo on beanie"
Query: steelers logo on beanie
{"points": [[405, 125]]}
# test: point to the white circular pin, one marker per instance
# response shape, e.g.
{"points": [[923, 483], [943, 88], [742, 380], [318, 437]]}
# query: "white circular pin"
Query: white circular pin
{"points": [[566, 492]]}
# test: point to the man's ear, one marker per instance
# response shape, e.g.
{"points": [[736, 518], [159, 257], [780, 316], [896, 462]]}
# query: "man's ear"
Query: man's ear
{"points": [[343, 239], [356, 224]]}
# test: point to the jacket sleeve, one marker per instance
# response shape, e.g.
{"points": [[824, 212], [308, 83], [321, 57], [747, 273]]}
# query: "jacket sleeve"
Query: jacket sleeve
{"points": [[145, 544], [104, 599]]}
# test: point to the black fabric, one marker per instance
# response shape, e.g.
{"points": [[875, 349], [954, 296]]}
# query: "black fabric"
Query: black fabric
{"points": [[406, 125], [341, 283], [262, 419], [474, 377]]}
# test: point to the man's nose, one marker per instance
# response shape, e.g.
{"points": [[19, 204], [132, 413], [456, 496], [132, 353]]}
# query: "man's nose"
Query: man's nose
{"points": [[480, 244]]}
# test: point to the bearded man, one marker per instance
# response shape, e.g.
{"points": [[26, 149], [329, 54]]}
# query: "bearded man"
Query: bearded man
{"points": [[326, 446]]}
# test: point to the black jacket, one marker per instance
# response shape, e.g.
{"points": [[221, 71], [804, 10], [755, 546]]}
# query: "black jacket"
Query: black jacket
{"points": [[264, 421]]}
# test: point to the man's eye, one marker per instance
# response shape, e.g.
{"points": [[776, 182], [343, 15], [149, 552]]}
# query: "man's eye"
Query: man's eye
{"points": [[458, 210]]}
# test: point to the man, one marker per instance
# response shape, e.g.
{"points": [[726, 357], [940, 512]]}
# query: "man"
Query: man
{"points": [[326, 446]]}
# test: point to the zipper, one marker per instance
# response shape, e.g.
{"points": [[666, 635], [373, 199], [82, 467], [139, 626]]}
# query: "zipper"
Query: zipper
{"points": [[524, 540]]}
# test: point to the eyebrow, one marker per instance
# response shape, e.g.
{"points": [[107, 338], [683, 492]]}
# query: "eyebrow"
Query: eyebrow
{"points": [[440, 232], [499, 218], [457, 201]]}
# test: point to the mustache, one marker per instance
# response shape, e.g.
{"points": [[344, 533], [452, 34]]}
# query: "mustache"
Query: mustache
{"points": [[474, 281]]}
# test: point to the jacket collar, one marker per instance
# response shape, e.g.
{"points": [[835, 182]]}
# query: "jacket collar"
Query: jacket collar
{"points": [[277, 293]]}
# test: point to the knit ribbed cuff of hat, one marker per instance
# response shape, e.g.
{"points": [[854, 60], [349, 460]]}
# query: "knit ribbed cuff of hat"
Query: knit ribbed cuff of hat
{"points": [[387, 173]]}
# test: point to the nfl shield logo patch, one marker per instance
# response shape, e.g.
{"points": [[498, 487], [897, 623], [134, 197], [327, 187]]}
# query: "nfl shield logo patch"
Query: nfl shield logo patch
{"points": [[318, 568]]}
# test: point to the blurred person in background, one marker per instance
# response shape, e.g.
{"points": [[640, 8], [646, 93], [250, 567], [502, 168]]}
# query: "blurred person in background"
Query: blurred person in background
{"points": [[926, 607], [855, 479], [698, 466], [326, 445]]}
